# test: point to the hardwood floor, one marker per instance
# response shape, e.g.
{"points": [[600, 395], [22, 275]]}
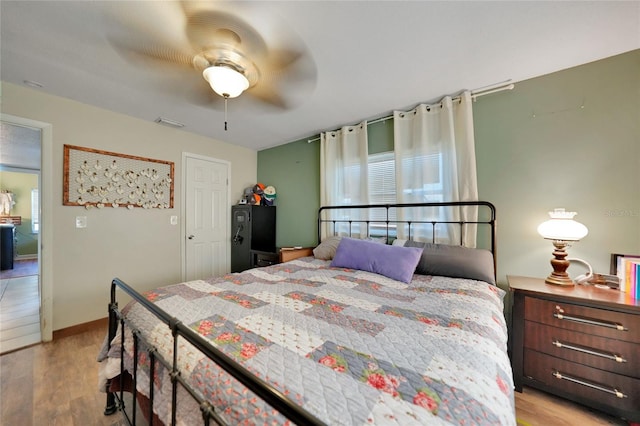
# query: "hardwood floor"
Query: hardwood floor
{"points": [[537, 408], [19, 309], [55, 383], [21, 268]]}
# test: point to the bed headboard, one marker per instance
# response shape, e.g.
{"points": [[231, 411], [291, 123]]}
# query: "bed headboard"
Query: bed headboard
{"points": [[382, 220]]}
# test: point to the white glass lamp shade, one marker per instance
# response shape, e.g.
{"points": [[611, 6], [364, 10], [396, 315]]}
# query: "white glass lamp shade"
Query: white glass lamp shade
{"points": [[226, 81], [562, 227]]}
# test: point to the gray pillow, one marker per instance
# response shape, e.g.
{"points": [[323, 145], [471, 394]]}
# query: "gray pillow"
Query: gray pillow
{"points": [[455, 261], [327, 248]]}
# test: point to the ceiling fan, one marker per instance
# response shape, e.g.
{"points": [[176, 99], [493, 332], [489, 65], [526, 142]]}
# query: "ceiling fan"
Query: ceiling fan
{"points": [[215, 42]]}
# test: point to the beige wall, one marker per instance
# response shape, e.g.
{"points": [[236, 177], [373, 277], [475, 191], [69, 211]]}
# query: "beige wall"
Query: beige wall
{"points": [[139, 246]]}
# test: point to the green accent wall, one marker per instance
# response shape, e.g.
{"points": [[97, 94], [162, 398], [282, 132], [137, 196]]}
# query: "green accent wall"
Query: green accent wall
{"points": [[294, 170], [380, 136], [568, 139]]}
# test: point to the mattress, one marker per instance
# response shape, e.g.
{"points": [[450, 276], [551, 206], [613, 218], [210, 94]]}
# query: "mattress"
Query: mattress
{"points": [[349, 346]]}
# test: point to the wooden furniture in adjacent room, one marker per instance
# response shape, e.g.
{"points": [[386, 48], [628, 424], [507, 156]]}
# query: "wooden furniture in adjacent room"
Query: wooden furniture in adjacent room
{"points": [[16, 220], [581, 343], [7, 245]]}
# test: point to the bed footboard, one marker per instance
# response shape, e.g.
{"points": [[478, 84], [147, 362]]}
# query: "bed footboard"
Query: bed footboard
{"points": [[115, 400]]}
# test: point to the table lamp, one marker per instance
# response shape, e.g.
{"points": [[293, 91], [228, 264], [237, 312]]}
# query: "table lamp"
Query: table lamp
{"points": [[561, 229]]}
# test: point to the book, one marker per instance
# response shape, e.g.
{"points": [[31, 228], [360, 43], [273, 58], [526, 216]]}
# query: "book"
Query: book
{"points": [[627, 268], [637, 278]]}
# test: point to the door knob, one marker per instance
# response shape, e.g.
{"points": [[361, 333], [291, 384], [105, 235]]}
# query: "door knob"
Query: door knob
{"points": [[191, 237]]}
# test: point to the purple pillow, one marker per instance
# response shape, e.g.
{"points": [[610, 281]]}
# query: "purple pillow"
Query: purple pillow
{"points": [[394, 262]]}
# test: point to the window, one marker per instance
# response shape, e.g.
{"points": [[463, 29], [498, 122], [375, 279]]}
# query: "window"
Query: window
{"points": [[432, 188], [382, 190], [382, 185], [382, 178], [35, 212]]}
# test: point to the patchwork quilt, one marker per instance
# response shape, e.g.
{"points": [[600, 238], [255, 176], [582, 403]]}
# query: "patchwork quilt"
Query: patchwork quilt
{"points": [[351, 347]]}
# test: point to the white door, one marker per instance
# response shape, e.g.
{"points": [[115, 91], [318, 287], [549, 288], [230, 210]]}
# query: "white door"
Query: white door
{"points": [[206, 214]]}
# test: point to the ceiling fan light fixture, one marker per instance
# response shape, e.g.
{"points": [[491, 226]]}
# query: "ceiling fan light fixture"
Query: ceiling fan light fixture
{"points": [[225, 80]]}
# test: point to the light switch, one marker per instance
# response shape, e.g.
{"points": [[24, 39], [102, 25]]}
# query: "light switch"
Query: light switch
{"points": [[81, 221], [174, 220]]}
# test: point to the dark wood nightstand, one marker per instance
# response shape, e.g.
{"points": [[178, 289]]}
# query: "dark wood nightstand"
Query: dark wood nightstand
{"points": [[581, 343]]}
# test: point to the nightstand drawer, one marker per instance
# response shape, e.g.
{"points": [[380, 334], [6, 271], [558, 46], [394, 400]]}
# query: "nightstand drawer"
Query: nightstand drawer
{"points": [[599, 322], [611, 389], [612, 355]]}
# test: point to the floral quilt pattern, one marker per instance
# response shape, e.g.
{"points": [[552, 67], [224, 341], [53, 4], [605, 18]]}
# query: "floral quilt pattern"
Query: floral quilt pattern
{"points": [[352, 348]]}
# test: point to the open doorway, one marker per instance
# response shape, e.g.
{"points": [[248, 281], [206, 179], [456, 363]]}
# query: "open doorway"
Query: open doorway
{"points": [[20, 285]]}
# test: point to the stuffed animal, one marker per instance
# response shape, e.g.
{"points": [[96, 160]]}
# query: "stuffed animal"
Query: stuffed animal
{"points": [[258, 188], [259, 195], [256, 196], [247, 195], [269, 195]]}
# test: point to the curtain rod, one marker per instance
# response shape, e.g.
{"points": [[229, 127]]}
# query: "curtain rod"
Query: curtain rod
{"points": [[476, 93]]}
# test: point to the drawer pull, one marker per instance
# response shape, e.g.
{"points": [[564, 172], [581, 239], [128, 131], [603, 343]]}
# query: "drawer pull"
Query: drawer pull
{"points": [[612, 391], [607, 324], [583, 349]]}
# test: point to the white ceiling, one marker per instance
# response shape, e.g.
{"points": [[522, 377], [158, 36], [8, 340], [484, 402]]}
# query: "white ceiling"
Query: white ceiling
{"points": [[370, 57]]}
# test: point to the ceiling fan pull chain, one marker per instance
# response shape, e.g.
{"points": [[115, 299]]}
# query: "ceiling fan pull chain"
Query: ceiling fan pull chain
{"points": [[225, 112]]}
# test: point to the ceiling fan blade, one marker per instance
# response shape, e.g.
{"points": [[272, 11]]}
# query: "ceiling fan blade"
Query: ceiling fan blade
{"points": [[140, 53], [143, 31], [208, 28], [159, 23], [287, 78], [268, 95]]}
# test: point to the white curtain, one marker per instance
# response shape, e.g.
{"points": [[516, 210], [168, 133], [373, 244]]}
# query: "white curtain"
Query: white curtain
{"points": [[344, 176], [435, 161]]}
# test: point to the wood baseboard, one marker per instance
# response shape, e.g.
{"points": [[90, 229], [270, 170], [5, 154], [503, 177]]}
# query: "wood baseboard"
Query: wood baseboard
{"points": [[81, 328], [27, 257]]}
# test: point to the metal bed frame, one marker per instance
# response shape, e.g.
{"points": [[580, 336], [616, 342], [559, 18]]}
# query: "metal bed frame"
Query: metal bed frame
{"points": [[277, 400], [486, 217]]}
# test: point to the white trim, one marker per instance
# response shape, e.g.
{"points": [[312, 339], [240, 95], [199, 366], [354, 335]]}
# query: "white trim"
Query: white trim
{"points": [[183, 207], [45, 237]]}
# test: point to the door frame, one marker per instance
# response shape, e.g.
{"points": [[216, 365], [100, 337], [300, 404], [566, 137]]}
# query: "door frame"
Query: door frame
{"points": [[45, 236], [183, 210]]}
